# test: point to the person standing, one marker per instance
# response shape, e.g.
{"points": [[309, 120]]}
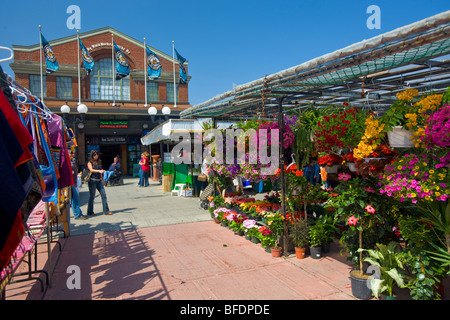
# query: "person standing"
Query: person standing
{"points": [[75, 206], [144, 172], [96, 183]]}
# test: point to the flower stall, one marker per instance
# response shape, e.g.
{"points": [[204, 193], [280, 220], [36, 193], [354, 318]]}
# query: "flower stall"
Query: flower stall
{"points": [[386, 201]]}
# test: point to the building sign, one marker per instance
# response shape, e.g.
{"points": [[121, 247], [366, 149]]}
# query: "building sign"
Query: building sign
{"points": [[106, 44], [112, 140], [113, 124]]}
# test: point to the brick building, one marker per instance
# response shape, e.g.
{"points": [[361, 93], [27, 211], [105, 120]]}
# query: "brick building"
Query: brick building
{"points": [[113, 128]]}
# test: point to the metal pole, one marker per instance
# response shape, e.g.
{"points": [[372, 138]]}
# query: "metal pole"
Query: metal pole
{"points": [[174, 85], [40, 52], [113, 71], [145, 73], [282, 176], [79, 76]]}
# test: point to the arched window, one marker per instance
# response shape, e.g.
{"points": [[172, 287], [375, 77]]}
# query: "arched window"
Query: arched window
{"points": [[102, 82]]}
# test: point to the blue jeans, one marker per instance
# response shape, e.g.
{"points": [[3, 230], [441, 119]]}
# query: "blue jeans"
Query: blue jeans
{"points": [[76, 202], [143, 178], [107, 174], [96, 185]]}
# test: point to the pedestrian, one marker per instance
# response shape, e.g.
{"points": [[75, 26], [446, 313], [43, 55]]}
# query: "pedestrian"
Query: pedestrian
{"points": [[75, 205], [96, 183], [144, 172], [323, 174], [312, 172]]}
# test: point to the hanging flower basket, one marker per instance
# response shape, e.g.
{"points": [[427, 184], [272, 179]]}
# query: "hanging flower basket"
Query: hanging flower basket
{"points": [[332, 169], [400, 138], [351, 166]]}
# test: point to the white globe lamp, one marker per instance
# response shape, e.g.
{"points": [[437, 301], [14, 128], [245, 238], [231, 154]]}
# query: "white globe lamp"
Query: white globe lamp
{"points": [[152, 111], [82, 108], [65, 109], [166, 110]]}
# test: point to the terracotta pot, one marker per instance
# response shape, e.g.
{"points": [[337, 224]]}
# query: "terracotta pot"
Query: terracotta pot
{"points": [[276, 252], [300, 253]]}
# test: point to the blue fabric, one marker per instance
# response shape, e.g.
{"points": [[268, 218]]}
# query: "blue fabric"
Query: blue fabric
{"points": [[143, 178], [153, 65], [76, 202], [50, 60], [183, 75], [88, 61], [122, 66]]}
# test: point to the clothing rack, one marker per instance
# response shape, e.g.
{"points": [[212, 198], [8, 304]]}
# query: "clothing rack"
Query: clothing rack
{"points": [[40, 218]]}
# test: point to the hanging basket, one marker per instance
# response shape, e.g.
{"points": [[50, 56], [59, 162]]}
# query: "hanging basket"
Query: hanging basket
{"points": [[400, 138], [351, 166], [332, 169]]}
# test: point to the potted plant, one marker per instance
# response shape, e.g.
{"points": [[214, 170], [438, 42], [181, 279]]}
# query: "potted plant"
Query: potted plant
{"points": [[298, 233], [388, 262], [316, 239], [405, 117]]}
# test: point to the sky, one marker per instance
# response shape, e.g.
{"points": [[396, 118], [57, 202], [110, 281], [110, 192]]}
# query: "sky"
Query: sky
{"points": [[226, 43]]}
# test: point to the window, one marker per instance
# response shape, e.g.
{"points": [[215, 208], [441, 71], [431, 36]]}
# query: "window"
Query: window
{"points": [[63, 87], [102, 82], [152, 91], [170, 92], [35, 85]]}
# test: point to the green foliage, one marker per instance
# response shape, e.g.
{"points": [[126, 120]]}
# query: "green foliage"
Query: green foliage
{"points": [[298, 232], [389, 260]]}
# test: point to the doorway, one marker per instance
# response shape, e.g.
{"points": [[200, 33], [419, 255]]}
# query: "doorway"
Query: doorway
{"points": [[108, 152]]}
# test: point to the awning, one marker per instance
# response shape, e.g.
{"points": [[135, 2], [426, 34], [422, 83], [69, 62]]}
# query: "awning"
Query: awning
{"points": [[367, 74], [165, 130]]}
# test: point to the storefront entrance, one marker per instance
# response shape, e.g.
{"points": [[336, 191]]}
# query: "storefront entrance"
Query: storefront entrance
{"points": [[108, 152]]}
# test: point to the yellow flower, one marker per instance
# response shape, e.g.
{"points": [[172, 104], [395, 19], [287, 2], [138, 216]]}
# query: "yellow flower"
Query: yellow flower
{"points": [[431, 171]]}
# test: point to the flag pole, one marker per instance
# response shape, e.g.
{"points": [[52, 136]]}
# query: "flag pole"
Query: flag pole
{"points": [[174, 85], [145, 73], [113, 72], [40, 54], [79, 76]]}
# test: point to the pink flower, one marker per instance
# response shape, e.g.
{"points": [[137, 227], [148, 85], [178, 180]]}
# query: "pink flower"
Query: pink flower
{"points": [[344, 176], [352, 221], [370, 209]]}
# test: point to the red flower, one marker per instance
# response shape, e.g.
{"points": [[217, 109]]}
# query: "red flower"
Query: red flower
{"points": [[370, 209], [352, 221]]}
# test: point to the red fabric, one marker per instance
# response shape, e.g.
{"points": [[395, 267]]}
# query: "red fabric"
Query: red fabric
{"points": [[22, 133], [146, 165], [13, 240]]}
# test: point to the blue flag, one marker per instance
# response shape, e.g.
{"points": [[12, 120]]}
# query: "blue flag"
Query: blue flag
{"points": [[183, 75], [52, 64], [88, 61], [153, 65], [122, 66]]}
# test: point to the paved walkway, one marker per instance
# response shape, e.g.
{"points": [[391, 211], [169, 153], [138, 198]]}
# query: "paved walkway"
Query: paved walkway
{"points": [[160, 247]]}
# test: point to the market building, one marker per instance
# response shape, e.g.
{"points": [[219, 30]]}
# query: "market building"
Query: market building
{"points": [[114, 126]]}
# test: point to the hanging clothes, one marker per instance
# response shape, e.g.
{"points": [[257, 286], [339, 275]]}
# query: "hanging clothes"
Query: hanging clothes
{"points": [[59, 149]]}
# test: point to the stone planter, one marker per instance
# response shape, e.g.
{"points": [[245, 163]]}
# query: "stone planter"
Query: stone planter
{"points": [[332, 169]]}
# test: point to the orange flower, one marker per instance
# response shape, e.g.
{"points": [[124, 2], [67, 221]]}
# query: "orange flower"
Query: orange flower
{"points": [[299, 173]]}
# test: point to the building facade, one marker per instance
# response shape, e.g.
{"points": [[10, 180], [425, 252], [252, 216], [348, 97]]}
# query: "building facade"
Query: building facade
{"points": [[113, 125]]}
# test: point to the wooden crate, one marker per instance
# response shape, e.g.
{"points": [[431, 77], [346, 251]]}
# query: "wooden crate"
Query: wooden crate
{"points": [[167, 182]]}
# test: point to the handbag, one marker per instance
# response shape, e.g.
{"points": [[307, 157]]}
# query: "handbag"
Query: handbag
{"points": [[202, 177], [86, 175], [209, 191]]}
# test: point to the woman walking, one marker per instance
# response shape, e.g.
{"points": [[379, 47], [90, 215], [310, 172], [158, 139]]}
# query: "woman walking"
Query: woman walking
{"points": [[144, 172], [96, 183]]}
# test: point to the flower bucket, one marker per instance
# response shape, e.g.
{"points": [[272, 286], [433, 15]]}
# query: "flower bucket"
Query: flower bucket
{"points": [[400, 138], [276, 252], [351, 166], [360, 288], [332, 169], [315, 252], [300, 253]]}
